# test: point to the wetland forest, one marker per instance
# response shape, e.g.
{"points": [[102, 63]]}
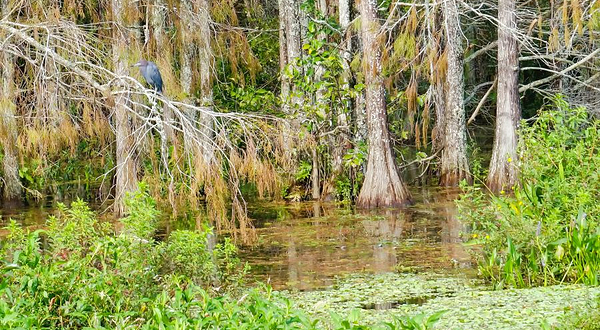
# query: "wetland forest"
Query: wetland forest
{"points": [[300, 164]]}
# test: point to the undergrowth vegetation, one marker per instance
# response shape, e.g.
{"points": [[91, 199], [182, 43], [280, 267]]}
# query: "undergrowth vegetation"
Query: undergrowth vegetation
{"points": [[80, 273], [546, 230]]}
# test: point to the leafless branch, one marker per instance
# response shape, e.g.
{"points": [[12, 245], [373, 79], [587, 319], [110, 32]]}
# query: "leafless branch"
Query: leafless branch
{"points": [[482, 102]]}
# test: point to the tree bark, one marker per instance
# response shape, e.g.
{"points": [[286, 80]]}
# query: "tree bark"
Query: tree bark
{"points": [[454, 164], [320, 70], [187, 54], [503, 172], [360, 111], [294, 44], [360, 114], [186, 77], [158, 22], [439, 129], [205, 61], [196, 43], [382, 186], [344, 17], [342, 137], [314, 175], [126, 169], [8, 124], [283, 59]]}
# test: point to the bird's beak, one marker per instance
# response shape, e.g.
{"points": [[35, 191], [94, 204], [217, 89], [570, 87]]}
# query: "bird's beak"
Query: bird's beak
{"points": [[137, 64]]}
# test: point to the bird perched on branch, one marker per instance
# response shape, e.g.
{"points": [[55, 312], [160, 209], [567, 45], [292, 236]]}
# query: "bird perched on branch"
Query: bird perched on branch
{"points": [[151, 74]]}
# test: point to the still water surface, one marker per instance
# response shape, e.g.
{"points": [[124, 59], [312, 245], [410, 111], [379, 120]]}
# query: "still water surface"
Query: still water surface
{"points": [[304, 246]]}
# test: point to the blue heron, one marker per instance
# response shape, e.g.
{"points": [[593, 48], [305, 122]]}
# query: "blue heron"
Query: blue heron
{"points": [[151, 74]]}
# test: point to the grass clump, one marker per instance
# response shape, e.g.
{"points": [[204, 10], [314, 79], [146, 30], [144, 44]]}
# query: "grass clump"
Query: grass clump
{"points": [[546, 231]]}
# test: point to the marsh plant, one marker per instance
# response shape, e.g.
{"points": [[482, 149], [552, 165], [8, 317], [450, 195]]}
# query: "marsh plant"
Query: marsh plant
{"points": [[544, 231], [78, 272]]}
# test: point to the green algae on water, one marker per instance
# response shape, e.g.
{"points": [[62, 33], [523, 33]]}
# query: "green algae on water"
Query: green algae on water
{"points": [[469, 304]]}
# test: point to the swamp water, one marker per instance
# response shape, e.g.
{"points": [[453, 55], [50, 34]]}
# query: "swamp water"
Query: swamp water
{"points": [[305, 246], [375, 265]]}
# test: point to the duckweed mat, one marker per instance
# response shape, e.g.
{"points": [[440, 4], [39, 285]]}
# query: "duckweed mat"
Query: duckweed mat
{"points": [[469, 304]]}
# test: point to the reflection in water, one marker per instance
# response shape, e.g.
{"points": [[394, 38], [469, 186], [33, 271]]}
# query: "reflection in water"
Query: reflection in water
{"points": [[36, 212], [306, 245], [388, 229]]}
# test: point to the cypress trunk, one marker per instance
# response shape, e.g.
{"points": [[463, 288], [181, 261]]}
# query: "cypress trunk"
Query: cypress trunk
{"points": [[314, 175], [186, 76], [360, 111], [126, 168], [438, 132], [454, 165], [8, 127], [283, 59], [294, 44], [503, 172], [382, 186], [158, 23], [342, 137], [205, 64]]}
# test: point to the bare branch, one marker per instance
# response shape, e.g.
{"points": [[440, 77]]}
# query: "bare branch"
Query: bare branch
{"points": [[481, 51], [562, 73], [482, 102]]}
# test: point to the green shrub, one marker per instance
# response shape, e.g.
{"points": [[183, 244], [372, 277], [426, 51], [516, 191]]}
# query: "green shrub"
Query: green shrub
{"points": [[188, 254], [84, 275], [78, 273], [75, 228], [143, 215], [546, 231]]}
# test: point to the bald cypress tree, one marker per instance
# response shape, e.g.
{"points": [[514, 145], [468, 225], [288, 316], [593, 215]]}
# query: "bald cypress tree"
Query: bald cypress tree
{"points": [[343, 136], [126, 165], [382, 186], [158, 18], [205, 62], [503, 173], [8, 121], [454, 165]]}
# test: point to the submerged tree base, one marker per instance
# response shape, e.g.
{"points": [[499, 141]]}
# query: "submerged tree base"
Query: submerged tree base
{"points": [[453, 178], [383, 188], [383, 200], [503, 181]]}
